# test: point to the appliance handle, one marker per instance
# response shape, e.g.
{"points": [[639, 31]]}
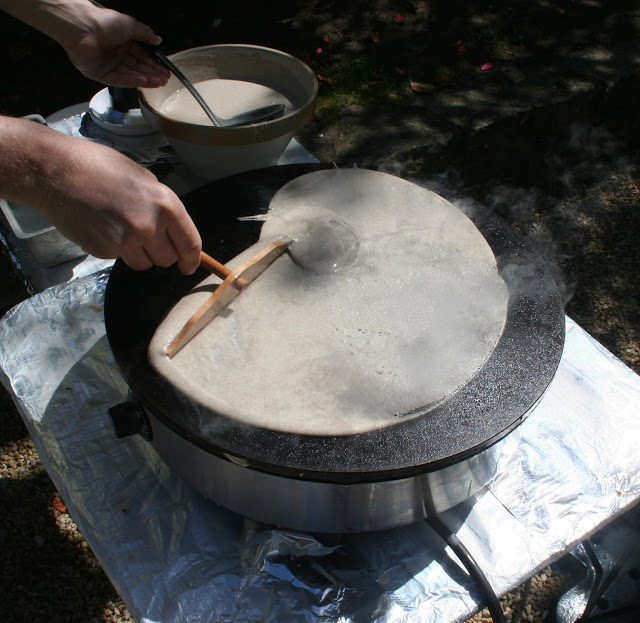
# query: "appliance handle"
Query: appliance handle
{"points": [[129, 418]]}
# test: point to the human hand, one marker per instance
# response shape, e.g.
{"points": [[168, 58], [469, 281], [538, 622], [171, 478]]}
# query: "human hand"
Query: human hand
{"points": [[104, 45], [113, 52], [97, 197], [113, 207]]}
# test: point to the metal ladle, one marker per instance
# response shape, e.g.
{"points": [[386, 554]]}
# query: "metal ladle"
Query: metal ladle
{"points": [[257, 115]]}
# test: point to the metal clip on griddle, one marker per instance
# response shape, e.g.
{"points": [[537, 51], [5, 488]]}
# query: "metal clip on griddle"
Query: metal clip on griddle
{"points": [[234, 282]]}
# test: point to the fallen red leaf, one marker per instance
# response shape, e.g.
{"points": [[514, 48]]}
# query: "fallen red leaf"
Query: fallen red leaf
{"points": [[399, 19], [58, 504], [486, 66], [325, 79], [422, 87]]}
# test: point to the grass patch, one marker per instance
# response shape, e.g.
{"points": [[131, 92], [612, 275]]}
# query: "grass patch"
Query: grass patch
{"points": [[359, 83]]}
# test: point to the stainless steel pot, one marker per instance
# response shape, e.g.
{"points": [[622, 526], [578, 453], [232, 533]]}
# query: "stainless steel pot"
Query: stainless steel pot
{"points": [[309, 505]]}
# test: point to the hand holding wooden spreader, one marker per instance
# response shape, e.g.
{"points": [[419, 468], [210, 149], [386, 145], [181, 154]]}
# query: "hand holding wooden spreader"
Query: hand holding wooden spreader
{"points": [[233, 282]]}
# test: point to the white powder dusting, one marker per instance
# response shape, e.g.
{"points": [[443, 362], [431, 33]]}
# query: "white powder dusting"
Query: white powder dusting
{"points": [[400, 328]]}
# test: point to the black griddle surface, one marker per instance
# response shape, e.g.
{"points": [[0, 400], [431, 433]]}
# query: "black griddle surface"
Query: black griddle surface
{"points": [[490, 406]]}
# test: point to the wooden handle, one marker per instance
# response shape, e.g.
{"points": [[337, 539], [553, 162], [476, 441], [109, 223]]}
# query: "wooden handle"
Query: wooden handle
{"points": [[225, 292], [220, 270]]}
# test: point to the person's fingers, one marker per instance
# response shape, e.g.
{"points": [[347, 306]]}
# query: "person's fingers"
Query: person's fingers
{"points": [[161, 250], [144, 59], [149, 75], [142, 32], [137, 258], [187, 243], [120, 78], [130, 80], [126, 77], [143, 55], [135, 68]]}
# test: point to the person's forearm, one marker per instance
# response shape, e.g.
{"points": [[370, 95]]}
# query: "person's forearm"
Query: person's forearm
{"points": [[30, 158], [103, 44], [97, 197], [66, 21]]}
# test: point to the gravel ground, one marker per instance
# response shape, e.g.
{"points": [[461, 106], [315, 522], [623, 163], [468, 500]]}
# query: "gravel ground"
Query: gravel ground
{"points": [[534, 601]]}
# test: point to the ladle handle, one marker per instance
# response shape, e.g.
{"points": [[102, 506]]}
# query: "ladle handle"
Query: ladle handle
{"points": [[187, 83]]}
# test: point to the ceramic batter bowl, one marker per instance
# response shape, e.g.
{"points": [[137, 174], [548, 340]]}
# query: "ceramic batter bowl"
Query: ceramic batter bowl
{"points": [[213, 152]]}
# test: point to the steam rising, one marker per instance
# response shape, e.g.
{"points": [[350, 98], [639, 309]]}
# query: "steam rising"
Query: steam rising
{"points": [[559, 215]]}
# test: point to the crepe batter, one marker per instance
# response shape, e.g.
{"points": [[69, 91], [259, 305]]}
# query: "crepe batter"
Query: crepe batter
{"points": [[389, 331], [225, 97]]}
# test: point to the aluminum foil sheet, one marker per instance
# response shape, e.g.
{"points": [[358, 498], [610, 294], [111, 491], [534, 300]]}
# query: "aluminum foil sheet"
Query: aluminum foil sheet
{"points": [[176, 557]]}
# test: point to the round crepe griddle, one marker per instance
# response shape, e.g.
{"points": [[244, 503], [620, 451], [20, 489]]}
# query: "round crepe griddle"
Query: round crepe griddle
{"points": [[491, 405], [401, 328]]}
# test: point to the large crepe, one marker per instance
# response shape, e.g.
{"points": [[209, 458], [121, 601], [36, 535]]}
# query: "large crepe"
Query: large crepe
{"points": [[405, 322]]}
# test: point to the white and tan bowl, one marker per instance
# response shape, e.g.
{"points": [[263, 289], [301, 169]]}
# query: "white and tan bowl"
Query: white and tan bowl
{"points": [[213, 152]]}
